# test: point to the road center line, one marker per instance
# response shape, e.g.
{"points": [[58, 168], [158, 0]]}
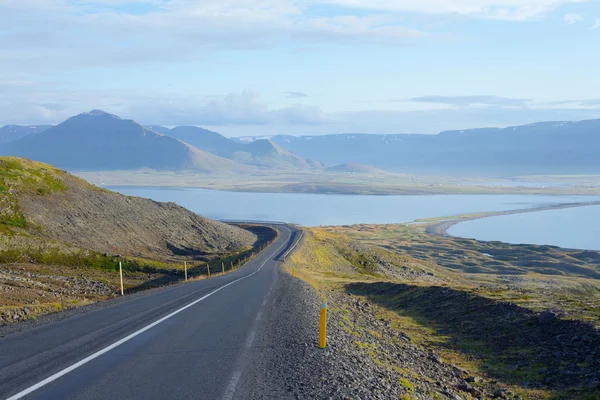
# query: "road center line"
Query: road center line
{"points": [[136, 333]]}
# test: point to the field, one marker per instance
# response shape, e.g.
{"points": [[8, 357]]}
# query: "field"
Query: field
{"points": [[520, 320], [343, 183]]}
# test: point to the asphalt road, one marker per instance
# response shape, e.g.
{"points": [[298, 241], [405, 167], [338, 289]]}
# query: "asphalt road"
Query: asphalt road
{"points": [[192, 340]]}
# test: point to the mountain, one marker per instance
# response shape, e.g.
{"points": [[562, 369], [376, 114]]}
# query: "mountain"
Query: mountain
{"points": [[45, 207], [206, 140], [101, 141], [157, 128], [355, 169], [262, 153], [10, 133], [265, 153], [541, 148]]}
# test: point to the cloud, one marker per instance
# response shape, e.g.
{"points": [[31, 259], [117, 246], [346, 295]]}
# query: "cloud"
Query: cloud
{"points": [[573, 18], [295, 95], [596, 25], [516, 10], [36, 104], [465, 101]]}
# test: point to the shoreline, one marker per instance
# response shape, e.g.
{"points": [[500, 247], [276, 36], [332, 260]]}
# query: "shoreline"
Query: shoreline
{"points": [[441, 228]]}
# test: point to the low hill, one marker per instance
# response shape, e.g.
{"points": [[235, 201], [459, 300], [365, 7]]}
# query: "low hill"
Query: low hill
{"points": [[352, 168], [42, 207], [101, 141], [265, 153], [204, 139], [262, 153], [11, 133]]}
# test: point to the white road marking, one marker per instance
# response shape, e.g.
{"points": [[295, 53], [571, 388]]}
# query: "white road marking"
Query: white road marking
{"points": [[250, 339], [230, 392], [136, 333]]}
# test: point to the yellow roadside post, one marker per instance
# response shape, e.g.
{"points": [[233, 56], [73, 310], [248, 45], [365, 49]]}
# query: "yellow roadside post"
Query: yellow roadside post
{"points": [[223, 267], [121, 275], [231, 262], [185, 269], [294, 272], [208, 268], [323, 327]]}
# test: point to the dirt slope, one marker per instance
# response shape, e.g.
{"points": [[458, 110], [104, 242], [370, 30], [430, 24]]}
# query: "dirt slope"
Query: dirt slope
{"points": [[38, 201]]}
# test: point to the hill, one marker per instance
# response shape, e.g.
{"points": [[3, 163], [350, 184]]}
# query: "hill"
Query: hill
{"points": [[46, 208], [265, 153], [157, 128], [101, 141], [261, 153], [206, 140], [10, 133], [355, 169], [541, 148]]}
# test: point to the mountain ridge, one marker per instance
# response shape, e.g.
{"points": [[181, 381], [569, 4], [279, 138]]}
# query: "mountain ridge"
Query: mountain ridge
{"points": [[98, 140]]}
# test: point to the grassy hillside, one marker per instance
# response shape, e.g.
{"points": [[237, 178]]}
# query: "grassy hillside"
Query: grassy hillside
{"points": [[60, 235], [520, 324]]}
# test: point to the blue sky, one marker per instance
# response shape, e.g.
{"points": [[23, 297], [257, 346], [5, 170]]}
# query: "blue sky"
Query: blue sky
{"points": [[261, 67]]}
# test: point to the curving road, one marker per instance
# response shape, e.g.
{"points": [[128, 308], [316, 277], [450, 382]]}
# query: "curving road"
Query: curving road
{"points": [[191, 340]]}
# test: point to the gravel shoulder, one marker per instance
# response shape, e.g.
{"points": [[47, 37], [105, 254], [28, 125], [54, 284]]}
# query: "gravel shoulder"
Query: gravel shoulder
{"points": [[365, 359]]}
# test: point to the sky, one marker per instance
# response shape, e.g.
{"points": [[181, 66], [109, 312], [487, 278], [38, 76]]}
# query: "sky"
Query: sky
{"points": [[264, 67]]}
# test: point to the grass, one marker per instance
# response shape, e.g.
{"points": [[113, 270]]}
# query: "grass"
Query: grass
{"points": [[18, 176], [476, 315]]}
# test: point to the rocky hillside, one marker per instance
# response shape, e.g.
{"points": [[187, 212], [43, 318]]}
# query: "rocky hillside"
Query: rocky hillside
{"points": [[42, 205]]}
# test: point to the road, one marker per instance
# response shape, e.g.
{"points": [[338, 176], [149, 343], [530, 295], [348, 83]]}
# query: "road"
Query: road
{"points": [[191, 340]]}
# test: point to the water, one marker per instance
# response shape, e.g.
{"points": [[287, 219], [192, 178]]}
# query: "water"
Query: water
{"points": [[577, 228], [315, 209]]}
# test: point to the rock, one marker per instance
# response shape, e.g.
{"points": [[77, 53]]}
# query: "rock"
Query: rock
{"points": [[547, 317], [435, 358], [465, 387]]}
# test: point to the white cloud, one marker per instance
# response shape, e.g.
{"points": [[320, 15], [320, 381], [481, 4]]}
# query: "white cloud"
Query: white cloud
{"points": [[573, 18], [596, 25], [492, 9], [34, 104]]}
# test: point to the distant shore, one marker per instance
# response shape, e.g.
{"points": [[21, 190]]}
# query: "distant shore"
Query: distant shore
{"points": [[441, 228]]}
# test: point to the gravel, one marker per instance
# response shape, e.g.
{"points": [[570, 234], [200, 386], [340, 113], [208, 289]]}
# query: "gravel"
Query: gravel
{"points": [[365, 359]]}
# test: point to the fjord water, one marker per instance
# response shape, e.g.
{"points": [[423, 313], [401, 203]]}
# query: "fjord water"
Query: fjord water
{"points": [[316, 209], [577, 228]]}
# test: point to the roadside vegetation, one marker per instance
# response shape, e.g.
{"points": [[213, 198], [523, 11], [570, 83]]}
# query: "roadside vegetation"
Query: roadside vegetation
{"points": [[62, 239], [456, 317]]}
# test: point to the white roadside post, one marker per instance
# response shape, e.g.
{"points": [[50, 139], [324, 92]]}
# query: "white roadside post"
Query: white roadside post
{"points": [[121, 274], [185, 268]]}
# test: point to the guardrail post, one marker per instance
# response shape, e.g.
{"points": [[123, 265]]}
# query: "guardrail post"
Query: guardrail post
{"points": [[121, 275], [323, 326]]}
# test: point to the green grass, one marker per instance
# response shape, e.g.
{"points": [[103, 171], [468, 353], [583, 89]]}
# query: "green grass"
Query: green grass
{"points": [[21, 177]]}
